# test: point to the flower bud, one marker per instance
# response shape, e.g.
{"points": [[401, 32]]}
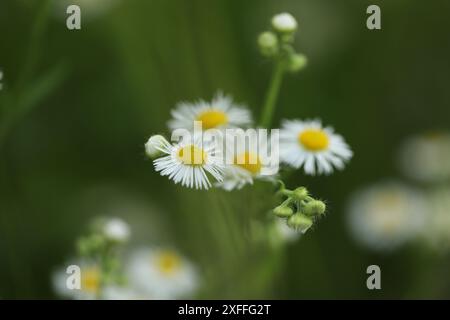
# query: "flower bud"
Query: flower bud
{"points": [[96, 242], [83, 247], [300, 222], [153, 146], [314, 208], [284, 23], [116, 230], [90, 245], [283, 211], [300, 194], [268, 43], [297, 62]]}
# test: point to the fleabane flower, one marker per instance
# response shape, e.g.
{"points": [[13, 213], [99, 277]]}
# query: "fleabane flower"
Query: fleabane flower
{"points": [[318, 149], [247, 158], [437, 233], [426, 157], [387, 215], [90, 285], [189, 162], [161, 274], [90, 274], [220, 113]]}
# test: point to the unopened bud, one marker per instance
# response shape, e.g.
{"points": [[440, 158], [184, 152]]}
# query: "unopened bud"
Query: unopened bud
{"points": [[300, 222], [154, 145], [297, 62], [284, 23], [314, 208], [116, 230], [300, 194], [283, 211], [268, 43]]}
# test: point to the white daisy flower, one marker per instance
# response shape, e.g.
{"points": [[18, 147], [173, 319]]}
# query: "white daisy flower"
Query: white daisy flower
{"points": [[189, 161], [437, 233], [308, 144], [89, 284], [387, 215], [247, 159], [161, 274], [426, 157], [220, 113]]}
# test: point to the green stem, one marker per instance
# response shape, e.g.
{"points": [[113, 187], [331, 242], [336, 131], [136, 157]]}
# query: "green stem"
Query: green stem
{"points": [[105, 270], [272, 94]]}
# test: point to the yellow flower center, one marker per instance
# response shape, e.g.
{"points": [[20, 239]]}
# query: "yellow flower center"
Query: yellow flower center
{"points": [[90, 280], [391, 200], [248, 161], [314, 139], [168, 262], [212, 118], [192, 155]]}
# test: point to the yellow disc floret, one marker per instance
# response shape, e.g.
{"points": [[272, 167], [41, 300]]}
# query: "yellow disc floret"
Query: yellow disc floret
{"points": [[192, 155], [313, 139], [90, 280], [168, 262], [248, 161], [212, 118]]}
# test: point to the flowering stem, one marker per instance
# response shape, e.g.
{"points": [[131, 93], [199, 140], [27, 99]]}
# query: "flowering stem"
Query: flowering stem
{"points": [[272, 94]]}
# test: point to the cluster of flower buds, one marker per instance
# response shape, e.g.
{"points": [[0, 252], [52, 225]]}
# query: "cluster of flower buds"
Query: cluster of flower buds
{"points": [[278, 42], [106, 234], [102, 246], [299, 209]]}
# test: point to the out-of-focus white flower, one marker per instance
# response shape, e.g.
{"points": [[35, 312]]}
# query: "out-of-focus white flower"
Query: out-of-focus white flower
{"points": [[386, 215], [437, 233], [161, 274], [120, 293], [308, 144], [247, 158], [220, 113], [426, 157], [284, 22], [89, 284], [116, 230]]}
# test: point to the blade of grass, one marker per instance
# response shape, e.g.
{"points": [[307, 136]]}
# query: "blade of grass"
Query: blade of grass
{"points": [[32, 96]]}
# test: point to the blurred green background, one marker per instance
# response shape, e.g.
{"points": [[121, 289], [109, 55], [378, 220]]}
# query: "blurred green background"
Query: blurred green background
{"points": [[86, 101]]}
